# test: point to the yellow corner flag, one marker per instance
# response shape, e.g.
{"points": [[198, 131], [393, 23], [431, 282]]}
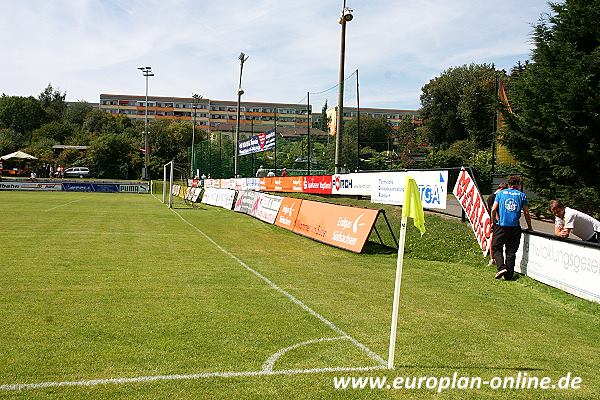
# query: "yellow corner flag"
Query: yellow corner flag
{"points": [[413, 207]]}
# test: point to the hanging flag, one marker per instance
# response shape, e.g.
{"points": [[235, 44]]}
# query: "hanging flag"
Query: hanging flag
{"points": [[414, 209]]}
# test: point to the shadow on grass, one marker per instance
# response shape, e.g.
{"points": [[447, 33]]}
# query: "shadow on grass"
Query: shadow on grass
{"points": [[378, 248]]}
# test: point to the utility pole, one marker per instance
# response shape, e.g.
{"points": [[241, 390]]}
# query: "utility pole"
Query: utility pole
{"points": [[308, 131], [357, 125]]}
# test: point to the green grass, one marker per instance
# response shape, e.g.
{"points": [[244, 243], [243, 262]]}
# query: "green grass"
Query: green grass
{"points": [[97, 286]]}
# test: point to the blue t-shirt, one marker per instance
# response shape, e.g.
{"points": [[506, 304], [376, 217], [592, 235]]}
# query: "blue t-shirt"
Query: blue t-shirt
{"points": [[510, 203]]}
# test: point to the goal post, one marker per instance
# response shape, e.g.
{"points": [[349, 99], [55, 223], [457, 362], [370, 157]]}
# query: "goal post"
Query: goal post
{"points": [[168, 188]]}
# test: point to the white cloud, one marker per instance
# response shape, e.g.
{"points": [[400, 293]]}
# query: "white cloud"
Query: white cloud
{"points": [[89, 47]]}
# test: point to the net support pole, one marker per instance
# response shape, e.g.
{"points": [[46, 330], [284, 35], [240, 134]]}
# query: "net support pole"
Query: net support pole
{"points": [[164, 182], [171, 185], [399, 265]]}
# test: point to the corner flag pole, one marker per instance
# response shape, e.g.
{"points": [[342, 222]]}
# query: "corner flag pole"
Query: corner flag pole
{"points": [[413, 208], [399, 263]]}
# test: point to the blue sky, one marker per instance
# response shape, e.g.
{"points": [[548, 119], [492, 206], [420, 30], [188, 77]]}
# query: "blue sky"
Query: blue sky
{"points": [[85, 48]]}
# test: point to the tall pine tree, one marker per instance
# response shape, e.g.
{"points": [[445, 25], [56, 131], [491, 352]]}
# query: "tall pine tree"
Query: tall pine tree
{"points": [[555, 130]]}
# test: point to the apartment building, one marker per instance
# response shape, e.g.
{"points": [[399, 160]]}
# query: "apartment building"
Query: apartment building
{"points": [[221, 115], [394, 116], [212, 115]]}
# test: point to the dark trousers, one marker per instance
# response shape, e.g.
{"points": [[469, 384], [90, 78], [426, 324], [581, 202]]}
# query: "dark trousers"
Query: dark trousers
{"points": [[506, 238], [595, 238]]}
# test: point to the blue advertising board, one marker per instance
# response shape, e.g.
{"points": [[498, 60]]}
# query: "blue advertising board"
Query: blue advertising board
{"points": [[255, 144]]}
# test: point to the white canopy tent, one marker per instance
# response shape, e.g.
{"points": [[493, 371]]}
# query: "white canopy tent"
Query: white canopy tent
{"points": [[18, 155]]}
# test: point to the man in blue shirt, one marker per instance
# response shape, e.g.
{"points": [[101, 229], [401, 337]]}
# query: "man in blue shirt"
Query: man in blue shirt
{"points": [[506, 211]]}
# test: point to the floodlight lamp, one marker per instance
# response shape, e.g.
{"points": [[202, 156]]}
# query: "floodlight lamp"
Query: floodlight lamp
{"points": [[347, 14]]}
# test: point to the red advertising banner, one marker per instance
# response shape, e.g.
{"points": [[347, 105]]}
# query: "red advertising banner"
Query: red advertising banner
{"points": [[341, 226], [471, 201], [317, 184], [288, 212]]}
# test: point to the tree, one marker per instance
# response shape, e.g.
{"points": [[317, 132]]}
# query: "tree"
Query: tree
{"points": [[323, 122], [555, 130], [10, 141], [53, 103], [112, 155], [75, 113], [97, 121], [460, 105], [55, 132], [22, 114]]}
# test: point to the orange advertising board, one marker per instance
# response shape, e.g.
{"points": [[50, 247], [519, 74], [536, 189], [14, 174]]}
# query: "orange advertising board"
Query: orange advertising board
{"points": [[288, 184], [288, 212], [339, 226], [267, 184]]}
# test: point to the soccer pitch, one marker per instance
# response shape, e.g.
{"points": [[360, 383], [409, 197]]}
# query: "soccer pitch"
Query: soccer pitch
{"points": [[116, 296]]}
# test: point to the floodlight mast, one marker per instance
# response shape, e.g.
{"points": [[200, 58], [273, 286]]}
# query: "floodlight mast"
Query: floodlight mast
{"points": [[147, 72], [242, 57], [195, 99], [344, 18]]}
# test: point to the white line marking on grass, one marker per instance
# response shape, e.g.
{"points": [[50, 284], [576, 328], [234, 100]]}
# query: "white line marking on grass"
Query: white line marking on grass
{"points": [[66, 204], [330, 324], [268, 365], [180, 377]]}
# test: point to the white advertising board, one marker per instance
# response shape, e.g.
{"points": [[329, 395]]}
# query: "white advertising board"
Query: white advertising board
{"points": [[41, 186], [210, 196], [388, 187], [268, 207], [574, 268], [253, 184], [225, 198], [352, 184]]}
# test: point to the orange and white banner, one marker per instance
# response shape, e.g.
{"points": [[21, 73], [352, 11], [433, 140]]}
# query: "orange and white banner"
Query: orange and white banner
{"points": [[288, 184], [471, 201], [340, 226], [288, 212]]}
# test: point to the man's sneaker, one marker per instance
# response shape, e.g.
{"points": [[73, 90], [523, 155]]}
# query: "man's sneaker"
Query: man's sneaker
{"points": [[500, 273]]}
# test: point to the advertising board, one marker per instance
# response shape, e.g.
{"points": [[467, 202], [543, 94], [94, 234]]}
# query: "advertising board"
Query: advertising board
{"points": [[341, 226], [39, 186], [267, 207], [320, 184], [572, 267], [288, 212], [474, 206], [388, 187]]}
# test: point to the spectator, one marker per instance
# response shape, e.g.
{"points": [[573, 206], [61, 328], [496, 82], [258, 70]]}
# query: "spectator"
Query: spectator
{"points": [[568, 220], [507, 212], [261, 172], [284, 172], [490, 204], [271, 174], [33, 176], [50, 171]]}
